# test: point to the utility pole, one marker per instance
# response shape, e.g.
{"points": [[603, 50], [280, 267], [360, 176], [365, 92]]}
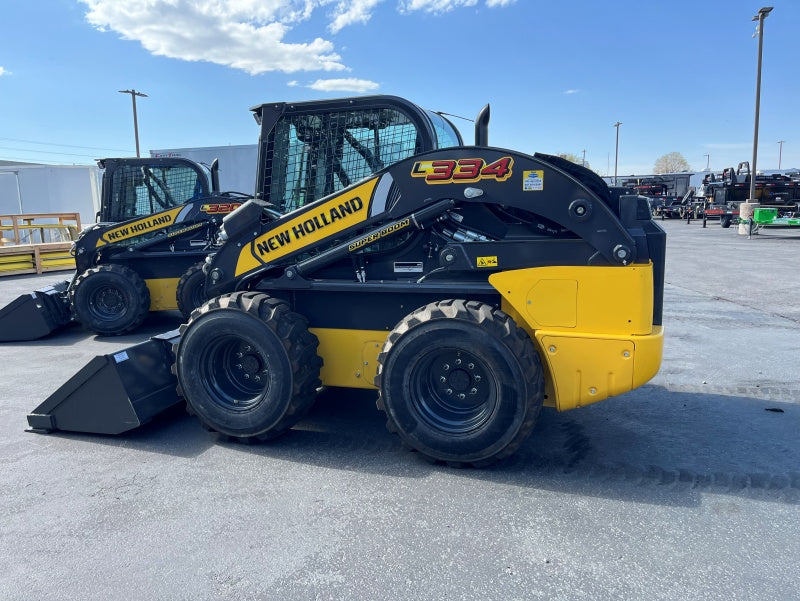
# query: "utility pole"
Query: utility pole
{"points": [[583, 161], [616, 152], [134, 94], [708, 161], [780, 153], [746, 209]]}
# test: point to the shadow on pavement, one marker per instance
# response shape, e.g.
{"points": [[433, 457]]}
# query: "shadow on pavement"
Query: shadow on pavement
{"points": [[652, 446]]}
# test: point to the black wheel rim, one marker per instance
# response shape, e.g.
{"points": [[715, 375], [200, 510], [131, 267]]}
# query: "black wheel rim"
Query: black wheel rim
{"points": [[235, 372], [107, 302], [453, 391]]}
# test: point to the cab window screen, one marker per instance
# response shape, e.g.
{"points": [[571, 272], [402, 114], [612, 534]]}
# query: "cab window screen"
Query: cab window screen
{"points": [[145, 189], [316, 154]]}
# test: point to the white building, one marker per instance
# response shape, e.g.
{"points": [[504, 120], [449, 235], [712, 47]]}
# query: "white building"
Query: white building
{"points": [[237, 164], [33, 188], [36, 188]]}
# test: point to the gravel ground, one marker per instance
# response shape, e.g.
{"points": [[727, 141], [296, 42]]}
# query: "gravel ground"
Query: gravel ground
{"points": [[687, 488]]}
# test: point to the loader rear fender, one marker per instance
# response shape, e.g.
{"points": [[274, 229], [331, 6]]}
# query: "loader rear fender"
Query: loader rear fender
{"points": [[592, 326]]}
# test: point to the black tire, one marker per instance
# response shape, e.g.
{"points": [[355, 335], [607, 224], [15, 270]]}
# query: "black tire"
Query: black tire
{"points": [[191, 290], [247, 366], [725, 221], [110, 299], [440, 356]]}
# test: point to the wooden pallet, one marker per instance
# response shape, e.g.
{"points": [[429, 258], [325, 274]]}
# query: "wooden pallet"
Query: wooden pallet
{"points": [[36, 258], [39, 228]]}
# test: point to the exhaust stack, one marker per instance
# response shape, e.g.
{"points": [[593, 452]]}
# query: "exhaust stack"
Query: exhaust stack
{"points": [[482, 127]]}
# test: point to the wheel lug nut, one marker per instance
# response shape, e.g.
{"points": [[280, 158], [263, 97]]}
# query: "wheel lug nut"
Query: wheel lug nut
{"points": [[449, 391], [461, 396], [248, 348], [474, 391], [257, 378], [239, 355], [477, 378], [247, 376], [458, 361], [238, 366], [471, 365], [446, 366], [442, 379]]}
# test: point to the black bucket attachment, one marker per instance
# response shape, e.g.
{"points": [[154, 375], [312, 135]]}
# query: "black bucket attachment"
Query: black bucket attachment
{"points": [[113, 393], [35, 315]]}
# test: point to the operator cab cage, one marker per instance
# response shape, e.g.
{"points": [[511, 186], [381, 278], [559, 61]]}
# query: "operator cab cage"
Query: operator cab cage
{"points": [[311, 149], [139, 187]]}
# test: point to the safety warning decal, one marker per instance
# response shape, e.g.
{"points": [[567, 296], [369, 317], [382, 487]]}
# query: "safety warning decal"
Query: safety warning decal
{"points": [[532, 181], [487, 261]]}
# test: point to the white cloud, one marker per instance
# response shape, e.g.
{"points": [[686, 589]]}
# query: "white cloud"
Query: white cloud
{"points": [[349, 84], [571, 91], [243, 34], [434, 6], [4, 72], [293, 84], [354, 11]]}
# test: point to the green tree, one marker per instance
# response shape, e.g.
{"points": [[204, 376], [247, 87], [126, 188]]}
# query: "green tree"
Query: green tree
{"points": [[671, 163], [574, 158]]}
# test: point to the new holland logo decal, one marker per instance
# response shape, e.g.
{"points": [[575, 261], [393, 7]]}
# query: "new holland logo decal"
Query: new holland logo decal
{"points": [[142, 226]]}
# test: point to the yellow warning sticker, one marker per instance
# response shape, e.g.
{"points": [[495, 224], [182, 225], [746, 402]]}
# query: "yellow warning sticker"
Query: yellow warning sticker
{"points": [[487, 261], [532, 181]]}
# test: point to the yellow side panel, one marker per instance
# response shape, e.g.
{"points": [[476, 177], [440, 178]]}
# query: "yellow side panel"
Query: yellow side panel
{"points": [[350, 357], [605, 300], [563, 314], [592, 327], [587, 370], [648, 353], [162, 293]]}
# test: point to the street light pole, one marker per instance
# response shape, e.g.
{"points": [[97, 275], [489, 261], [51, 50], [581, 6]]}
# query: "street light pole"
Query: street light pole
{"points": [[616, 152], [134, 94], [780, 153], [747, 209]]}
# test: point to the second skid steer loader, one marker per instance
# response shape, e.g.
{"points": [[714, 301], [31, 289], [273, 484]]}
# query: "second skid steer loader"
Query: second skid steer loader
{"points": [[467, 285], [158, 219]]}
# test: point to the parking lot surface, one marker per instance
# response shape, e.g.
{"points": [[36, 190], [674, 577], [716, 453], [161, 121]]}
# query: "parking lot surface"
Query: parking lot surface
{"points": [[687, 488]]}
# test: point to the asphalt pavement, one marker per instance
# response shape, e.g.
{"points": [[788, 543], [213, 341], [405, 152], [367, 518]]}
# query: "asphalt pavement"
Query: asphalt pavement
{"points": [[687, 488]]}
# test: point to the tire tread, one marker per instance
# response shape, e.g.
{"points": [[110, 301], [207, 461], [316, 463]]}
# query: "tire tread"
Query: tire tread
{"points": [[507, 331]]}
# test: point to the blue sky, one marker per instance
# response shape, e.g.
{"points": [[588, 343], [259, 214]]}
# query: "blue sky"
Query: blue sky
{"points": [[679, 75]]}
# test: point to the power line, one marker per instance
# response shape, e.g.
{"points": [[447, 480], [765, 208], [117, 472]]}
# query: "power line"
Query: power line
{"points": [[46, 152], [28, 161], [65, 145]]}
